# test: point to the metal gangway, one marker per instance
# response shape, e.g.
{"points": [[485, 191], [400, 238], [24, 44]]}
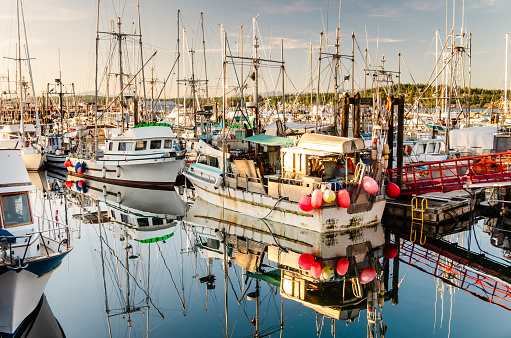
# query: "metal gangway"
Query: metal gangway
{"points": [[455, 174]]}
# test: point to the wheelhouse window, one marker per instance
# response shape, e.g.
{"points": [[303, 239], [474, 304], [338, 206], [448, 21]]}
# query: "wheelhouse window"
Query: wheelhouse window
{"points": [[122, 146], [16, 209], [124, 218], [143, 222], [213, 161], [110, 146], [157, 221], [202, 159], [155, 144], [140, 145], [167, 144]]}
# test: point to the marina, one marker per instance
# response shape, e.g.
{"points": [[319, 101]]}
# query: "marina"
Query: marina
{"points": [[261, 174]]}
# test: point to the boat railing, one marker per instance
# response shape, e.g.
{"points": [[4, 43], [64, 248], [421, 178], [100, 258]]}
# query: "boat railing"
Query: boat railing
{"points": [[12, 258], [202, 176]]}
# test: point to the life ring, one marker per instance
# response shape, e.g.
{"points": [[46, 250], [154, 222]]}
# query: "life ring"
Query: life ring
{"points": [[351, 166], [408, 150]]}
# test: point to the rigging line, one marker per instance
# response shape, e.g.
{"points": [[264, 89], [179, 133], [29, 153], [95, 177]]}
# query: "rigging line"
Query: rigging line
{"points": [[235, 72], [134, 279], [218, 312], [168, 76], [171, 277]]}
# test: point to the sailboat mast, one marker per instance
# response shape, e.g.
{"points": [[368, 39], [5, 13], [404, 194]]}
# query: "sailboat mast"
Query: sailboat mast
{"points": [[204, 51], [256, 84], [96, 88], [22, 109], [142, 62], [178, 130], [505, 76], [119, 39]]}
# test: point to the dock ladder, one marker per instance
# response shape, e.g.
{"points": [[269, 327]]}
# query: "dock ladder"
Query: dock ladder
{"points": [[418, 220]]}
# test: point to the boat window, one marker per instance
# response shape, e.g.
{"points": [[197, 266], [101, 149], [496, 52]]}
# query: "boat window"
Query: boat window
{"points": [[124, 218], [140, 145], [213, 243], [16, 209], [213, 161], [112, 213], [167, 144], [122, 146], [431, 148], [155, 144], [110, 146], [421, 148], [202, 159], [129, 146], [143, 222], [157, 221]]}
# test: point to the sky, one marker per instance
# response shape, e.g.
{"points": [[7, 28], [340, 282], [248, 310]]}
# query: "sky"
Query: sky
{"points": [[61, 40]]}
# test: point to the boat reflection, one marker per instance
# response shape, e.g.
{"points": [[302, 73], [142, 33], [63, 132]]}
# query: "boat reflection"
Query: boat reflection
{"points": [[270, 252]]}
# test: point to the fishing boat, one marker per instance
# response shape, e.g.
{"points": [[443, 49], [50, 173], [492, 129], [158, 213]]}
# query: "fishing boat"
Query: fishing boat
{"points": [[29, 254], [145, 156], [317, 165]]}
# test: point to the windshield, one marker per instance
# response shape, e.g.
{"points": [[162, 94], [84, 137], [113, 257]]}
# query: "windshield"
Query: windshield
{"points": [[16, 209]]}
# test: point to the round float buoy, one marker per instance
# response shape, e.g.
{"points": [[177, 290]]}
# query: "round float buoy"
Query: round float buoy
{"points": [[84, 167], [392, 190], [342, 266], [328, 196], [305, 261], [367, 275], [69, 184], [77, 165], [327, 272], [386, 149], [68, 163], [85, 188], [317, 198], [390, 251], [79, 171], [80, 183], [78, 186], [305, 203], [370, 185], [103, 172], [316, 270], [118, 171], [344, 198]]}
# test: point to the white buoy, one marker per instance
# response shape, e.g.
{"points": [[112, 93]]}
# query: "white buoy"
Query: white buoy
{"points": [[103, 172], [118, 171], [104, 191], [119, 197]]}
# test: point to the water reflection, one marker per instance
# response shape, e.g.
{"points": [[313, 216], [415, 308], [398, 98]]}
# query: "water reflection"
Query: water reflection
{"points": [[220, 273]]}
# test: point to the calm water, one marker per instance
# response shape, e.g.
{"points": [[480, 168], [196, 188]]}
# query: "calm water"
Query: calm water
{"points": [[113, 285]]}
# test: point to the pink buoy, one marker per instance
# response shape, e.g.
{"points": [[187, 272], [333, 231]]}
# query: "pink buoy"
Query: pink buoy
{"points": [[342, 266], [305, 261], [392, 190], [390, 251], [69, 184], [79, 170], [316, 270], [80, 184], [367, 275], [370, 185], [344, 198], [317, 198], [305, 203]]}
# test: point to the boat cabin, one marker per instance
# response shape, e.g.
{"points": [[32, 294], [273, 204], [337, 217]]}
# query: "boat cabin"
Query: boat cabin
{"points": [[422, 151]]}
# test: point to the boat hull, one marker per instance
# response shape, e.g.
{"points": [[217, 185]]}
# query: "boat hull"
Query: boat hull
{"points": [[33, 162], [324, 219], [56, 161], [149, 174]]}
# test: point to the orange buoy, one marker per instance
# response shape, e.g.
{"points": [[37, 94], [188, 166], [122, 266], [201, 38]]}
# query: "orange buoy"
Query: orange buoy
{"points": [[342, 266], [351, 166], [316, 270], [317, 198], [305, 261], [305, 203], [69, 184], [344, 198]]}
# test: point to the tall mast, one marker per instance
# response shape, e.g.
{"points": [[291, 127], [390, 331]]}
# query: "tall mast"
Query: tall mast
{"points": [[319, 79], [96, 87], [256, 72], [22, 109], [283, 89], [241, 74], [336, 85], [119, 38], [178, 130], [204, 51], [505, 76], [142, 62]]}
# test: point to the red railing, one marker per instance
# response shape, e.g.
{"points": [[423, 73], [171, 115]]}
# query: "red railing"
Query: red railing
{"points": [[457, 274], [455, 174]]}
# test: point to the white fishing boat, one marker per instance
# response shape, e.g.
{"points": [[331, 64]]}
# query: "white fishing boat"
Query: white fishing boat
{"points": [[28, 255], [146, 156], [316, 162]]}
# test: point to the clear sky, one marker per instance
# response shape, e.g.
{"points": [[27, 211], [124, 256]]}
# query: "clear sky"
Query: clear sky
{"points": [[61, 35]]}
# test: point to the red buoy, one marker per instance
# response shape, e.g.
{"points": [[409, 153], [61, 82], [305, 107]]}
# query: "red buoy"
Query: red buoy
{"points": [[342, 266], [317, 198], [80, 184], [305, 261], [67, 163], [344, 198], [69, 184], [390, 251], [79, 170], [305, 203], [367, 275], [392, 190], [316, 270]]}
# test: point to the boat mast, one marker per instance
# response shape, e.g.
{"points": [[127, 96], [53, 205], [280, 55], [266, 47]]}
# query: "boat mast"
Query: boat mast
{"points": [[38, 125], [204, 51], [96, 87], [256, 72], [22, 109], [119, 39], [283, 89], [178, 129], [319, 79], [142, 62], [505, 77]]}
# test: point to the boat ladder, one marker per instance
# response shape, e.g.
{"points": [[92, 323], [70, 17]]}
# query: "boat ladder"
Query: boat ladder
{"points": [[418, 219]]}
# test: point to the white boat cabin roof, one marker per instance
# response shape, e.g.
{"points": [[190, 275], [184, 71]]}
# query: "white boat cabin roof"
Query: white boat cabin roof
{"points": [[151, 131], [323, 145], [13, 175], [15, 128]]}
